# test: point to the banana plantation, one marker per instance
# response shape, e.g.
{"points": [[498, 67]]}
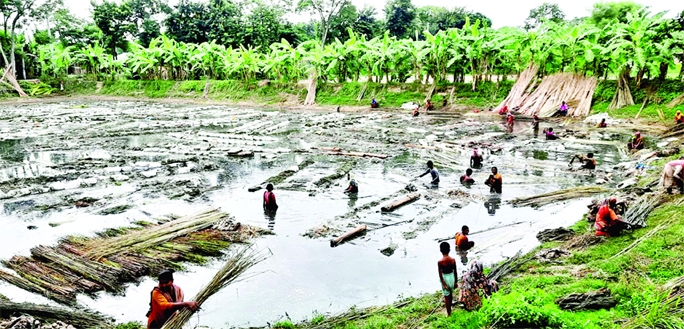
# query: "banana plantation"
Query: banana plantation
{"points": [[641, 47]]}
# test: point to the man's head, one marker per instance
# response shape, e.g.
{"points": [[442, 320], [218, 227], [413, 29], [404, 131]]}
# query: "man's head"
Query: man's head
{"points": [[166, 280], [469, 172], [535, 117], [445, 248], [269, 187], [603, 120], [550, 129], [590, 155], [563, 102], [637, 134], [494, 170], [430, 164], [465, 230], [612, 202]]}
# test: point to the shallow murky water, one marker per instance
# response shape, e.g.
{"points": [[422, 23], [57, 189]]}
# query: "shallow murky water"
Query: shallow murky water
{"points": [[68, 155]]}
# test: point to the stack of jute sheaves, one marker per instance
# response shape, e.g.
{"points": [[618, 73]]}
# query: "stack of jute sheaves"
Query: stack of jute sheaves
{"points": [[108, 261], [544, 99]]}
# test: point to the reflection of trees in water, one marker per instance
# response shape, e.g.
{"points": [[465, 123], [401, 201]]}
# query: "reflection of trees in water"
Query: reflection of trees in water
{"points": [[12, 150], [58, 158], [229, 170], [463, 254]]}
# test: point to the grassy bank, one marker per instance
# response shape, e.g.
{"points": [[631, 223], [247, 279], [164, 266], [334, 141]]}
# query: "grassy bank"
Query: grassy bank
{"points": [[635, 274], [333, 94], [355, 94]]}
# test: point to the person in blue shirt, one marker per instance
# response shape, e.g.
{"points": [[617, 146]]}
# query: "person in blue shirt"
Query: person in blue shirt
{"points": [[433, 172]]}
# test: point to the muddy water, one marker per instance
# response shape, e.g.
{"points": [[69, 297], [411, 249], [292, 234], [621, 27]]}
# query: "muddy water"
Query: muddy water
{"points": [[55, 154]]}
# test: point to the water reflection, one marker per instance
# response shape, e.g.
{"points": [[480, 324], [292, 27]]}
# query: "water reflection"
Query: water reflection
{"points": [[353, 197], [270, 215], [493, 204]]}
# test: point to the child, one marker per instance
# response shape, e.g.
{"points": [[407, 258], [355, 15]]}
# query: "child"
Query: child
{"points": [[447, 275]]}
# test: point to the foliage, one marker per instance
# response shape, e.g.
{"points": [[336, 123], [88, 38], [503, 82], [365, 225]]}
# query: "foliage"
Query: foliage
{"points": [[604, 13], [542, 13], [399, 16], [115, 22], [325, 10]]}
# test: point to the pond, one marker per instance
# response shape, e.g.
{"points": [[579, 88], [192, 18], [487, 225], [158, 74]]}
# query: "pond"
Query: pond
{"points": [[162, 159]]}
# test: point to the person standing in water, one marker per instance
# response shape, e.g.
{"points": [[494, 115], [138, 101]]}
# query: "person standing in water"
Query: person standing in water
{"points": [[447, 275], [495, 181], [602, 124], [433, 173], [353, 187], [466, 179], [535, 123], [270, 199], [476, 159]]}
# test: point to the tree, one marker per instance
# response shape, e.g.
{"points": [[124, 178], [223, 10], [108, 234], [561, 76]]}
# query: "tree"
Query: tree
{"points": [[116, 23], [224, 23], [366, 23], [434, 19], [263, 25], [605, 13], [399, 15], [188, 22], [326, 11], [545, 12], [73, 31], [142, 12], [14, 16]]}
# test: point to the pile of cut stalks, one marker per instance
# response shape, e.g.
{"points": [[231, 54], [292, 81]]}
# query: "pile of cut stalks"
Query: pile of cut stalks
{"points": [[88, 265]]}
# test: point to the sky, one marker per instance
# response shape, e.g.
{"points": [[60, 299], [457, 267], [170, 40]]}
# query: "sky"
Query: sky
{"points": [[502, 12]]}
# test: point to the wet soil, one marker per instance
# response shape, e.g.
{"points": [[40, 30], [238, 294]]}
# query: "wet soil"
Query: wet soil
{"points": [[82, 166]]}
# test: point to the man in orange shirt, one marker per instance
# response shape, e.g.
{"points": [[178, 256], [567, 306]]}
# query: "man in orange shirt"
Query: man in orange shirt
{"points": [[607, 222], [166, 299], [495, 181], [462, 242]]}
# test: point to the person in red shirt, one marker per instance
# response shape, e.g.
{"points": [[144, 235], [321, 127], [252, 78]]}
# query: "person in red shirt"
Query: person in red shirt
{"points": [[165, 300], [466, 179], [270, 199], [607, 222], [462, 242], [510, 121], [503, 110]]}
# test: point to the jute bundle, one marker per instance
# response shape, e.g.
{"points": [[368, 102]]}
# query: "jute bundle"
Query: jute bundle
{"points": [[229, 273]]}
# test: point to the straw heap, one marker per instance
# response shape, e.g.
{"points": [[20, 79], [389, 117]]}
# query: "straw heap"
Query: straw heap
{"points": [[557, 196]]}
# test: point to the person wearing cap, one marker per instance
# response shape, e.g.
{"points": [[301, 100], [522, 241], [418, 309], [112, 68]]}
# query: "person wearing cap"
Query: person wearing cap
{"points": [[535, 123], [165, 300], [607, 222], [637, 142]]}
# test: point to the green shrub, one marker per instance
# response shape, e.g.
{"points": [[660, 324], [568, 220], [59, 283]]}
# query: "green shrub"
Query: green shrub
{"points": [[521, 310]]}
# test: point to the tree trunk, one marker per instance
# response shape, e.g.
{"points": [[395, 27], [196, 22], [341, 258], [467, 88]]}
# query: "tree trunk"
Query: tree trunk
{"points": [[623, 96], [311, 93], [663, 72]]}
